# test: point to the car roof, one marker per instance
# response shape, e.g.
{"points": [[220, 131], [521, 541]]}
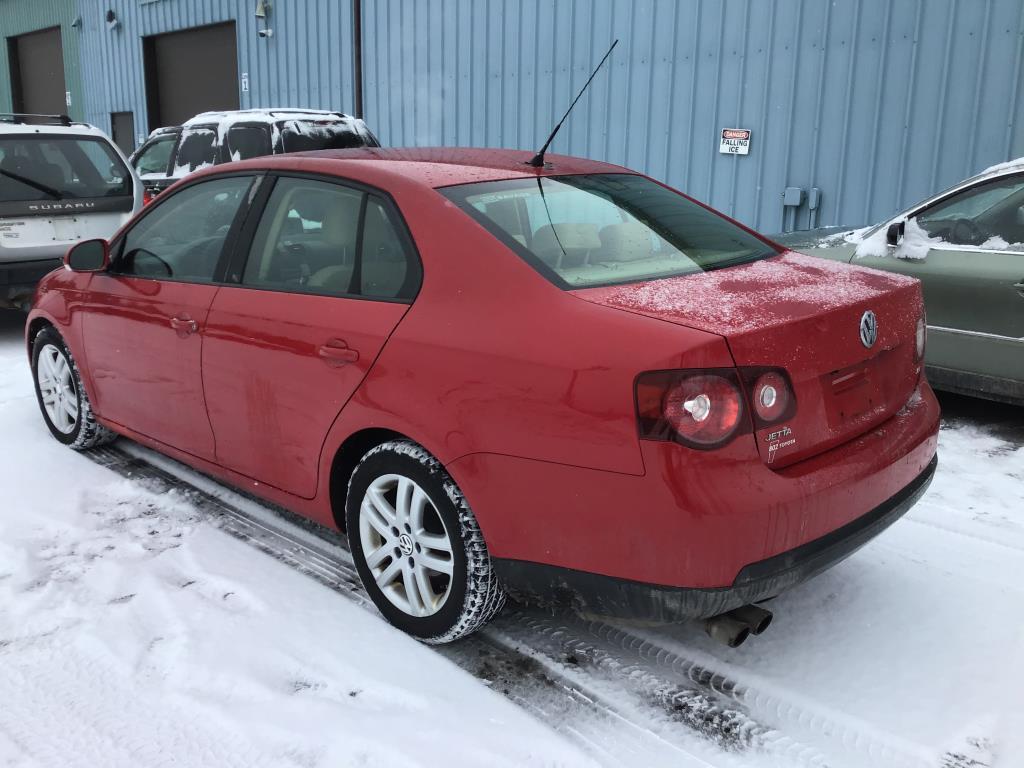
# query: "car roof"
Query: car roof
{"points": [[430, 166], [75, 129]]}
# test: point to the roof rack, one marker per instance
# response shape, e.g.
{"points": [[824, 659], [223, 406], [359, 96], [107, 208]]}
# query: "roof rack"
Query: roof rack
{"points": [[30, 119]]}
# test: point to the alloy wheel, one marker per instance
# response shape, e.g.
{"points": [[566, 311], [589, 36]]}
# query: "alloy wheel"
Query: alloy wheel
{"points": [[406, 545], [57, 389]]}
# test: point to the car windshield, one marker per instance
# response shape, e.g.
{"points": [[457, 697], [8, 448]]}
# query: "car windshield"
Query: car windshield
{"points": [[594, 230], [40, 167]]}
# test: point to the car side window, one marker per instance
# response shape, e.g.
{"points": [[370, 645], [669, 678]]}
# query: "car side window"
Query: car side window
{"points": [[245, 141], [181, 238], [306, 239], [329, 239], [198, 149], [990, 215], [156, 155]]}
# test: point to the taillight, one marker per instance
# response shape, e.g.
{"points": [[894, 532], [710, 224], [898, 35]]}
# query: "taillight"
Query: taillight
{"points": [[708, 408], [147, 198], [701, 409]]}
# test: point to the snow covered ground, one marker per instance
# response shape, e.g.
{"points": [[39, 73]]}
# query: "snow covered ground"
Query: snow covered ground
{"points": [[135, 631]]}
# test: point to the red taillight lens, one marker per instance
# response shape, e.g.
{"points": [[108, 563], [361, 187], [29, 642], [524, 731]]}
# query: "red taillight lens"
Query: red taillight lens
{"points": [[700, 409], [147, 198], [708, 408]]}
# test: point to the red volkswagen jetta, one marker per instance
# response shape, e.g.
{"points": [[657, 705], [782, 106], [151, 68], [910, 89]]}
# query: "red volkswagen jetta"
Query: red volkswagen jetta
{"points": [[569, 382]]}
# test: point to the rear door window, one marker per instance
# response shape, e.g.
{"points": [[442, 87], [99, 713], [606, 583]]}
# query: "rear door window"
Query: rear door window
{"points": [[330, 239], [198, 149], [307, 239], [245, 141], [55, 168]]}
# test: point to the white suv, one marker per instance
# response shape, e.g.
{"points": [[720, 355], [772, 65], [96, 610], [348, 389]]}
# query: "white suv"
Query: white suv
{"points": [[60, 182]]}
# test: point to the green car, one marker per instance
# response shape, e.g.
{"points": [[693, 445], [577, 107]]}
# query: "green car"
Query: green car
{"points": [[966, 246]]}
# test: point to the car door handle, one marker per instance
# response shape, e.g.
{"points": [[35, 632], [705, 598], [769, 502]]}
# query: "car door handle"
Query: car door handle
{"points": [[184, 326], [336, 353]]}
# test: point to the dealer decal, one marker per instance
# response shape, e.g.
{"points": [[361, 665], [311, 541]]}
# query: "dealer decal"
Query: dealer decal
{"points": [[780, 438]]}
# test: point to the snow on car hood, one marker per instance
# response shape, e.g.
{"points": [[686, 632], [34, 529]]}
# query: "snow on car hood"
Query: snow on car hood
{"points": [[761, 294]]}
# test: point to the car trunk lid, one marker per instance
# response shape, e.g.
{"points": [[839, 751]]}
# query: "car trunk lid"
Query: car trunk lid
{"points": [[803, 315]]}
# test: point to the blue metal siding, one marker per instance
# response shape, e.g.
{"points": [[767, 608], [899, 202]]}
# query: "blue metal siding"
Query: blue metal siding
{"points": [[877, 103], [306, 64]]}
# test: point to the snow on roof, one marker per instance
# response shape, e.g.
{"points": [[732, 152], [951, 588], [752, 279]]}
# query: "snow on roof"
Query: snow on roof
{"points": [[266, 115]]}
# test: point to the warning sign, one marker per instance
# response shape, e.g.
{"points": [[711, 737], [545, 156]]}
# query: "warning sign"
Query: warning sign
{"points": [[735, 141]]}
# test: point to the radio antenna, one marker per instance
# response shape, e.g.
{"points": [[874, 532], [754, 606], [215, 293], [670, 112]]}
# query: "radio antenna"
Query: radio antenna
{"points": [[538, 160]]}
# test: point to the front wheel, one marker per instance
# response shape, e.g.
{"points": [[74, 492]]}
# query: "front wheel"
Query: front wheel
{"points": [[62, 398], [417, 545]]}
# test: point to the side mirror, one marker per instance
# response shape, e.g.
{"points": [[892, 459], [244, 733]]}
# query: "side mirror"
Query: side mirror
{"points": [[88, 256], [894, 234]]}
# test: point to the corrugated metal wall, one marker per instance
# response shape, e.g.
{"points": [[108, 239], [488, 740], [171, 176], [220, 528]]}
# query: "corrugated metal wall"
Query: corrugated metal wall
{"points": [[877, 103], [307, 63], [16, 18]]}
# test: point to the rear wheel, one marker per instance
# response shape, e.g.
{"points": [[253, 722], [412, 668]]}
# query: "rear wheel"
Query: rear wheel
{"points": [[417, 545], [62, 398]]}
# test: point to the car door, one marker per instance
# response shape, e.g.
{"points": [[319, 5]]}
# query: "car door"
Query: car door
{"points": [[973, 278], [145, 318], [328, 273]]}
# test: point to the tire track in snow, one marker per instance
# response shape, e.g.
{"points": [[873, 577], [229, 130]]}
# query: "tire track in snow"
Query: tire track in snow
{"points": [[622, 699]]}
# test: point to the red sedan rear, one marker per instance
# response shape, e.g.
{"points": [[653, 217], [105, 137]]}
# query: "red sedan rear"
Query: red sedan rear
{"points": [[568, 382]]}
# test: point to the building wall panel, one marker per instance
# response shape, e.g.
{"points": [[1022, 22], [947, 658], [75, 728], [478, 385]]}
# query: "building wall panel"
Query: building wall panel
{"points": [[307, 63], [18, 17], [876, 103]]}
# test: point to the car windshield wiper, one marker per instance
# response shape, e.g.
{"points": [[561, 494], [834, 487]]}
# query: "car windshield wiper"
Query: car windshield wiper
{"points": [[46, 190]]}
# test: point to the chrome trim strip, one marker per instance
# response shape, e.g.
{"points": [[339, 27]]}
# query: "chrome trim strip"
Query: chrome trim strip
{"points": [[979, 334], [975, 249]]}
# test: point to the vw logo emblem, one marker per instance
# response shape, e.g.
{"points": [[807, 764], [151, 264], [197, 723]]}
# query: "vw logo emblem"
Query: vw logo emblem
{"points": [[405, 544], [868, 329]]}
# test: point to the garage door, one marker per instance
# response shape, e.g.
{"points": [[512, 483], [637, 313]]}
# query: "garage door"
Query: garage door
{"points": [[37, 72], [191, 71]]}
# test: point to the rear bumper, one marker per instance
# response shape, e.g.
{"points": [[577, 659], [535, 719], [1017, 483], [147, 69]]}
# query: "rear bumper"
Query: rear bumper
{"points": [[605, 595]]}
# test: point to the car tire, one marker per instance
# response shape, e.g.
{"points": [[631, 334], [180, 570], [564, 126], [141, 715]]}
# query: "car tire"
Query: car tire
{"points": [[62, 398], [402, 549]]}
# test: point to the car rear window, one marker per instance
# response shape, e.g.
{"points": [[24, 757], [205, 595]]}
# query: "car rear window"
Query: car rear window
{"points": [[311, 135], [40, 167], [606, 229]]}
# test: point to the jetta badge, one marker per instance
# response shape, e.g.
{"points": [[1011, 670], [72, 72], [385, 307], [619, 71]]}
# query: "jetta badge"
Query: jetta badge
{"points": [[868, 329]]}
